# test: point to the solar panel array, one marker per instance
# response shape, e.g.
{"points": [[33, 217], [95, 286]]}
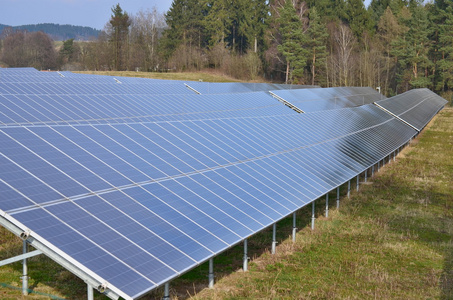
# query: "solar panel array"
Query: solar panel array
{"points": [[417, 107], [137, 202], [317, 99]]}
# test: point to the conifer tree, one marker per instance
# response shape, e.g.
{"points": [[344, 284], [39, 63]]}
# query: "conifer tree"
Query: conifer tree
{"points": [[293, 41], [317, 33], [445, 64], [119, 22]]}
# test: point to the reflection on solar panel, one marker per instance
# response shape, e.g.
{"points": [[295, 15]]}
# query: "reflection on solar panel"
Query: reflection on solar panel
{"points": [[73, 108], [132, 205], [237, 87], [316, 99], [416, 107]]}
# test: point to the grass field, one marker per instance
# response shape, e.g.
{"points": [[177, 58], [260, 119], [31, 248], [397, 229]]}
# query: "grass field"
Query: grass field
{"points": [[185, 76], [392, 240]]}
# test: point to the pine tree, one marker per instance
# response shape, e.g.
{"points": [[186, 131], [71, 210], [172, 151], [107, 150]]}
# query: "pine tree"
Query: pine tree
{"points": [[218, 22], [358, 18], [445, 64], [119, 22], [317, 33], [253, 23], [293, 40], [388, 32], [185, 26]]}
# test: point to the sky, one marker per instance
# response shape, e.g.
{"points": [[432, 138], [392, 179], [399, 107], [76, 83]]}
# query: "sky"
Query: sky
{"points": [[92, 13]]}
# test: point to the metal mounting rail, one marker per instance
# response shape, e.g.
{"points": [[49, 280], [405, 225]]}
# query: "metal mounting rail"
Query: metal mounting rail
{"points": [[292, 106]]}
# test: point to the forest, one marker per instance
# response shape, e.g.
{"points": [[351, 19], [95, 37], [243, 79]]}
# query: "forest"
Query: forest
{"points": [[396, 45]]}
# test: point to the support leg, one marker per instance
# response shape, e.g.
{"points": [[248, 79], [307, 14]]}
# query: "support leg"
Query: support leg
{"points": [[338, 198], [245, 259], [211, 273], [357, 187], [294, 227], [327, 205], [372, 171], [349, 189], [313, 215], [166, 291], [274, 237], [90, 295], [25, 270], [366, 174]]}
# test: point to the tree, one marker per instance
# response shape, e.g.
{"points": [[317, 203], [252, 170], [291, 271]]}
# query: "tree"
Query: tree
{"points": [[345, 42], [68, 53], [445, 64], [389, 30], [119, 31], [317, 33], [144, 36], [253, 24], [23, 49], [412, 49], [185, 26], [358, 18], [293, 41]]}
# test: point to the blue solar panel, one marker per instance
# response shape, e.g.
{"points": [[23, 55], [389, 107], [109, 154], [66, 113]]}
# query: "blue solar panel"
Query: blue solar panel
{"points": [[416, 107], [317, 99]]}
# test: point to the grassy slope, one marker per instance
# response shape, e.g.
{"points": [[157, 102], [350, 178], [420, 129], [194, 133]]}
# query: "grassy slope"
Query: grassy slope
{"points": [[391, 240]]}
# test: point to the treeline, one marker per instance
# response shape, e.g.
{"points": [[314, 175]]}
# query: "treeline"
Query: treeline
{"points": [[59, 32], [394, 44]]}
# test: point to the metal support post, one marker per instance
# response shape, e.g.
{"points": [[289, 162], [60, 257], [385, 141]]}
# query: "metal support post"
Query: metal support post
{"points": [[366, 174], [90, 295], [327, 205], [294, 227], [349, 188], [274, 238], [313, 215], [372, 171], [24, 270], [378, 165], [394, 155], [357, 187], [211, 273], [166, 291], [245, 260], [338, 197]]}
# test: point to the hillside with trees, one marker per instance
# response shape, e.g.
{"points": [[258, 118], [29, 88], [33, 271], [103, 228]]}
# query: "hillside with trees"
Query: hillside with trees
{"points": [[394, 44], [59, 32]]}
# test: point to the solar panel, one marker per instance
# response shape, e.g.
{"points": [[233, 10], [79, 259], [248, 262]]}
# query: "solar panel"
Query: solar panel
{"points": [[139, 204], [416, 107], [316, 99], [239, 87], [27, 109]]}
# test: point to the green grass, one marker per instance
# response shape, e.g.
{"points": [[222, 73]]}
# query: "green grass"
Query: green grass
{"points": [[392, 240], [186, 76]]}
